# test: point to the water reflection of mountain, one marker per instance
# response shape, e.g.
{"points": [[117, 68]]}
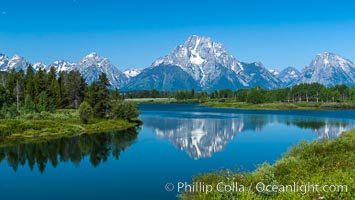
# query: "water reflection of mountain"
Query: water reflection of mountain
{"points": [[97, 146], [202, 137], [198, 137]]}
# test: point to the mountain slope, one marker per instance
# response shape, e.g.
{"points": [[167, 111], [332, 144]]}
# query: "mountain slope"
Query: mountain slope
{"points": [[258, 75], [329, 69], [92, 65], [162, 77], [289, 76]]}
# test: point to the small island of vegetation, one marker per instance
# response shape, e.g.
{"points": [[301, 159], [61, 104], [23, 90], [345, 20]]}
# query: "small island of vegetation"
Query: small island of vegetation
{"points": [[51, 104]]}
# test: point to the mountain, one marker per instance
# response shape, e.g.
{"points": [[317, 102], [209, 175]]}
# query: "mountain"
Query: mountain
{"points": [[211, 66], [165, 77], [200, 64], [16, 62], [258, 75], [289, 76], [4, 60], [92, 65], [274, 72], [129, 73], [61, 65], [38, 65], [329, 69]]}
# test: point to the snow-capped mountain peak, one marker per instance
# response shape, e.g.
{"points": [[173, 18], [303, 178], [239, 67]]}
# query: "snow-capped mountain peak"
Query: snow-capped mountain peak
{"points": [[205, 61], [329, 69], [16, 62], [91, 55], [92, 65], [62, 66], [331, 60], [94, 59], [39, 65]]}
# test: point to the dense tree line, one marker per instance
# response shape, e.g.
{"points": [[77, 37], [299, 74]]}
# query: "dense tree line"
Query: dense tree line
{"points": [[313, 92], [148, 94], [29, 92]]}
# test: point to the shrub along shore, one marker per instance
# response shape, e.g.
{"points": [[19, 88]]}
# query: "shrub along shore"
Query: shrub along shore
{"points": [[330, 164]]}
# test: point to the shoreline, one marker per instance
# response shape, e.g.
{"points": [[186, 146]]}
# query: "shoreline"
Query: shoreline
{"points": [[327, 162], [284, 105], [228, 103], [46, 129]]}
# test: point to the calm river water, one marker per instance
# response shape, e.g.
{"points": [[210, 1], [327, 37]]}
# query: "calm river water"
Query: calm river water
{"points": [[176, 142]]}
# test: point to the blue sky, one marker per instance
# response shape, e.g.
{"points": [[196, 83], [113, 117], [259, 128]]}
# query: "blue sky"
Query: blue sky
{"points": [[132, 34]]}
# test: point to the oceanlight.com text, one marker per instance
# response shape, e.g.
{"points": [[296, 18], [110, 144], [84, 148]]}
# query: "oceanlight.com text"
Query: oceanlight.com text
{"points": [[260, 187]]}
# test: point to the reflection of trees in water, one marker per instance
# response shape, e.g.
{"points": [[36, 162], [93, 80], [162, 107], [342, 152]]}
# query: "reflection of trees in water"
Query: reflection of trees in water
{"points": [[97, 146], [317, 124]]}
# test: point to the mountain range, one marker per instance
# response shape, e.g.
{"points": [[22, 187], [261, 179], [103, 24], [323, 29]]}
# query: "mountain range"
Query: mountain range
{"points": [[200, 64]]}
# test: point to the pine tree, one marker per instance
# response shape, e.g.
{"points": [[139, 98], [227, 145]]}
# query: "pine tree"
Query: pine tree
{"points": [[76, 89], [91, 94], [115, 95], [53, 89], [103, 96], [29, 105], [43, 102], [39, 83], [29, 82], [63, 90]]}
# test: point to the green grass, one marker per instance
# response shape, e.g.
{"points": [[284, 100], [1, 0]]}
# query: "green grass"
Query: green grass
{"points": [[282, 105], [163, 101], [62, 123], [328, 162]]}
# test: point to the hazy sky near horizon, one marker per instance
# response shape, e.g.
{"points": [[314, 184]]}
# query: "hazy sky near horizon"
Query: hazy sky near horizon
{"points": [[133, 33]]}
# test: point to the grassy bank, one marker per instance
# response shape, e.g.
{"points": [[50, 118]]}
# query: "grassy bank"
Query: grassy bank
{"points": [[64, 123], [229, 103], [329, 162], [163, 101], [282, 105]]}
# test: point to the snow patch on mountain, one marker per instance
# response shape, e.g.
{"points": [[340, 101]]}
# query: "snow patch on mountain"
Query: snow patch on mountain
{"points": [[274, 72], [129, 73]]}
